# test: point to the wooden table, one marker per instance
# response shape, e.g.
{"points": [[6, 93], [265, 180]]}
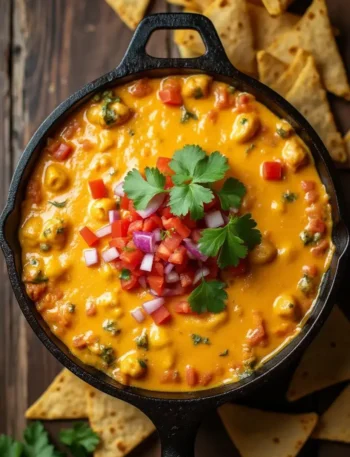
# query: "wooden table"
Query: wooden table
{"points": [[48, 49]]}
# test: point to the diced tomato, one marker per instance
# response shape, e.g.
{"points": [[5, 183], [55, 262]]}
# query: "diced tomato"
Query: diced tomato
{"points": [[257, 335], [316, 226], [163, 252], [173, 241], [171, 96], [312, 196], [119, 243], [189, 222], [191, 376], [163, 166], [124, 202], [140, 88], [181, 268], [135, 226], [98, 188], [222, 98], [161, 315], [178, 256], [130, 215], [89, 236], [156, 283], [132, 257], [120, 228], [272, 171], [310, 270], [308, 185], [62, 152], [151, 223], [166, 212], [183, 307], [168, 182], [158, 269], [131, 283], [240, 269], [196, 235], [176, 224], [186, 278]]}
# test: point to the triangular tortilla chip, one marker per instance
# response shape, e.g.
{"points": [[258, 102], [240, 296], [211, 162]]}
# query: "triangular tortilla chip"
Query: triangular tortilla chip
{"points": [[65, 398], [120, 426], [269, 68], [314, 34], [310, 98], [276, 7], [232, 23], [286, 81], [326, 361], [334, 424], [186, 53], [130, 11], [267, 28], [199, 5], [258, 433]]}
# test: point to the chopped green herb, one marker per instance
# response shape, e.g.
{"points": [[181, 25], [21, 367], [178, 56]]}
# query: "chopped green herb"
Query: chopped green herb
{"points": [[197, 339], [58, 204], [36, 442], [45, 247], [245, 374], [131, 132], [111, 326], [289, 196], [142, 340], [34, 262], [282, 133], [250, 363], [141, 190], [143, 363], [187, 115], [97, 98], [244, 120], [39, 278], [71, 308], [125, 274], [198, 93], [60, 230], [109, 115], [208, 296], [81, 439], [231, 193], [107, 355], [250, 148], [310, 238], [224, 353], [128, 249], [47, 232], [306, 285], [232, 242], [10, 447], [166, 233]]}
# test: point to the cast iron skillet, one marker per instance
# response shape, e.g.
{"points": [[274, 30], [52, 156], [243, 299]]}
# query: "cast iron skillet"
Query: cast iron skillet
{"points": [[176, 415]]}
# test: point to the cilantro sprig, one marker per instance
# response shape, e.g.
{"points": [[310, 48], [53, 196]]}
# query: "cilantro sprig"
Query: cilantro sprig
{"points": [[140, 190], [80, 439], [231, 242], [208, 296]]}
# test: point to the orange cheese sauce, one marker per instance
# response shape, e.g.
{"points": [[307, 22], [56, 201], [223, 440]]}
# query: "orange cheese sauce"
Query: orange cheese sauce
{"points": [[155, 129]]}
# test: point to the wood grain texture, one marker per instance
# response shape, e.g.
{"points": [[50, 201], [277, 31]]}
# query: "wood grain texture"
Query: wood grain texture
{"points": [[49, 49]]}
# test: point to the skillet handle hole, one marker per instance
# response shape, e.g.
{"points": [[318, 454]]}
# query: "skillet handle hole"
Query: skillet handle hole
{"points": [[193, 47]]}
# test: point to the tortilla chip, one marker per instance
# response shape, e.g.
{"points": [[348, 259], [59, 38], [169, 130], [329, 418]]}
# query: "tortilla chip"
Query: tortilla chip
{"points": [[334, 424], [286, 81], [267, 28], [269, 68], [276, 7], [65, 398], [310, 98], [327, 360], [258, 433], [120, 426], [131, 12], [198, 5], [232, 23], [187, 53], [314, 34]]}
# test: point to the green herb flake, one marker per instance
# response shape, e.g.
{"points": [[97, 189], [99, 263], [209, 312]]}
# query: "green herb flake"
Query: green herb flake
{"points": [[224, 353], [47, 232], [197, 339], [289, 197], [306, 285], [107, 355], [142, 363], [125, 274], [244, 120], [109, 325], [58, 204], [250, 148], [187, 115], [45, 247], [131, 132], [142, 341], [306, 237], [109, 115], [231, 89], [34, 262], [282, 133], [39, 278], [71, 308], [198, 93]]}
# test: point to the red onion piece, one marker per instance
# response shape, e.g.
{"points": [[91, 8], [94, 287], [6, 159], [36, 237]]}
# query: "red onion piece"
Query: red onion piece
{"points": [[110, 254], [157, 235], [152, 206], [104, 231], [142, 282], [201, 273], [154, 293], [137, 314], [168, 268], [214, 219], [144, 241], [113, 215], [172, 277], [193, 250], [153, 305], [119, 190], [177, 290], [147, 262], [91, 257]]}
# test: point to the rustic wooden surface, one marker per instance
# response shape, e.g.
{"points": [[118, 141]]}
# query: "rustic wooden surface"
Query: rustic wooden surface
{"points": [[48, 49]]}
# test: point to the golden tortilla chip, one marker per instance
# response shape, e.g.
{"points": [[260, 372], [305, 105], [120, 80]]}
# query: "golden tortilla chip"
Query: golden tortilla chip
{"points": [[334, 424], [276, 7], [120, 426], [232, 23], [286, 81], [198, 5], [326, 361], [65, 398], [310, 98], [314, 34], [267, 28], [187, 53], [258, 433], [130, 11], [269, 68]]}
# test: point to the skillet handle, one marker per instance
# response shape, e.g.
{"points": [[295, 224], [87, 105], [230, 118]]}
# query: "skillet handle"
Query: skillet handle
{"points": [[137, 60], [177, 441]]}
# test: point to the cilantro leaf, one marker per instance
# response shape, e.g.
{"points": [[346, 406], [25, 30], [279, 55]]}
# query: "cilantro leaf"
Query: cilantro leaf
{"points": [[208, 296], [80, 439], [10, 447], [231, 193], [211, 169], [58, 204], [125, 274], [231, 242], [189, 198], [140, 190], [37, 442], [185, 161]]}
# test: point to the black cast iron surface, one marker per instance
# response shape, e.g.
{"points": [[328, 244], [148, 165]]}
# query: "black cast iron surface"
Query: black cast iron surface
{"points": [[177, 416]]}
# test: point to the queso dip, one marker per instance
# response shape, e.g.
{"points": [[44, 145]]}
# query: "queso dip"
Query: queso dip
{"points": [[174, 233]]}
